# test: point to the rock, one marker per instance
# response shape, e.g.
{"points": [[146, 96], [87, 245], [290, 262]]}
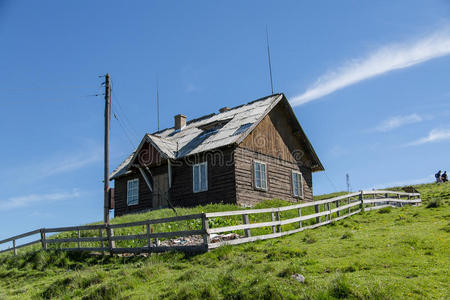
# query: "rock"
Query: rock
{"points": [[299, 277]]}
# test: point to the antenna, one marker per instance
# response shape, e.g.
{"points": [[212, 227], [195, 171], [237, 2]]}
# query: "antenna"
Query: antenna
{"points": [[157, 100], [268, 55], [347, 177]]}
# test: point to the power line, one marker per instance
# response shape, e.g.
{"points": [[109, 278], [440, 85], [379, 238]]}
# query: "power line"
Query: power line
{"points": [[123, 129], [126, 120], [332, 183], [126, 125]]}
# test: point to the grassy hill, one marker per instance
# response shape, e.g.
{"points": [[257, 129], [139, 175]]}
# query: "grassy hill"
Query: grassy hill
{"points": [[386, 254]]}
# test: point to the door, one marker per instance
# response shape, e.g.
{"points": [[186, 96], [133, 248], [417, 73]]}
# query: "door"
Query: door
{"points": [[160, 190]]}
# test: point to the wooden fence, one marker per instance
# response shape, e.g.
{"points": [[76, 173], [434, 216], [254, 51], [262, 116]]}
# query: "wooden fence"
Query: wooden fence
{"points": [[265, 223]]}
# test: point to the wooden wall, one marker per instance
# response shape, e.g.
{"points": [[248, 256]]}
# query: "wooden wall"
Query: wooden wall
{"points": [[145, 196], [221, 183], [279, 178], [273, 142]]}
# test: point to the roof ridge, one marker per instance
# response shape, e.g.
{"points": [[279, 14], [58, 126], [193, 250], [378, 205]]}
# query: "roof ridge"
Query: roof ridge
{"points": [[214, 114]]}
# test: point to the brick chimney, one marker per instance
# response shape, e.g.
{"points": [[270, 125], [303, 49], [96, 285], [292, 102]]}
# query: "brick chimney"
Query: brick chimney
{"points": [[224, 109], [180, 121]]}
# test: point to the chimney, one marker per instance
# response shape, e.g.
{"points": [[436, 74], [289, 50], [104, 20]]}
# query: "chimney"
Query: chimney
{"points": [[224, 109], [180, 121]]}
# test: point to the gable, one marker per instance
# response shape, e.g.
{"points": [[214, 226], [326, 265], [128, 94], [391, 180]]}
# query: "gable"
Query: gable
{"points": [[148, 155], [276, 135]]}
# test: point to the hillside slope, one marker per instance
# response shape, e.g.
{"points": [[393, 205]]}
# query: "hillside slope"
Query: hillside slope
{"points": [[398, 253]]}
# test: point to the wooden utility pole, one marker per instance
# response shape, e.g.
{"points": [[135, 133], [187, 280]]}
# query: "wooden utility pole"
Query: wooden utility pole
{"points": [[107, 128]]}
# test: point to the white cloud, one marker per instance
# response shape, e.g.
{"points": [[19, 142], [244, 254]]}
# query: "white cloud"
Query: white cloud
{"points": [[385, 59], [56, 164], [23, 201], [398, 121], [435, 135], [69, 162]]}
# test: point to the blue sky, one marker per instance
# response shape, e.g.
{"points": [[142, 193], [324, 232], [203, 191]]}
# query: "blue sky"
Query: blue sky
{"points": [[368, 80]]}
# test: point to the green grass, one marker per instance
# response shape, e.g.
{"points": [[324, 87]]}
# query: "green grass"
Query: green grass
{"points": [[401, 253]]}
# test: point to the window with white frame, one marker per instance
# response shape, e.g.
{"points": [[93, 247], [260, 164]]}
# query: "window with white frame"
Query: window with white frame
{"points": [[200, 177], [260, 171], [133, 191], [297, 184]]}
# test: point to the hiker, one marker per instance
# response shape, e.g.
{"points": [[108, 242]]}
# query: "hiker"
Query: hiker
{"points": [[438, 176], [444, 177]]}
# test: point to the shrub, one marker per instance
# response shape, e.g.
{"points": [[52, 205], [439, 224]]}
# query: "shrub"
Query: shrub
{"points": [[340, 287], [434, 203], [385, 210], [309, 238], [347, 235]]}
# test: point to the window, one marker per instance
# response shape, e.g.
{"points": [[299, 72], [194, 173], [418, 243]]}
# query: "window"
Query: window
{"points": [[200, 177], [297, 184], [133, 192], [260, 175]]}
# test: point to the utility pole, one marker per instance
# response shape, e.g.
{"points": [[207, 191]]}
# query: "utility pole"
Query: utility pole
{"points": [[107, 129], [347, 177]]}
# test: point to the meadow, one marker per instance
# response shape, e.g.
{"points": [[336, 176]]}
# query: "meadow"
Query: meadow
{"points": [[392, 253]]}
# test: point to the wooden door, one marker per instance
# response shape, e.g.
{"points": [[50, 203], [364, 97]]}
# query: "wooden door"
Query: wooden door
{"points": [[160, 190]]}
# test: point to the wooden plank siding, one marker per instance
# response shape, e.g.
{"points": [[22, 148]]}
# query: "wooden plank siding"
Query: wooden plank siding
{"points": [[221, 179], [279, 179], [145, 196], [272, 142]]}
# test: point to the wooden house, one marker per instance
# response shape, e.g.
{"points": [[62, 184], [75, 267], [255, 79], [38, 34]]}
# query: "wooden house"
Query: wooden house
{"points": [[240, 155]]}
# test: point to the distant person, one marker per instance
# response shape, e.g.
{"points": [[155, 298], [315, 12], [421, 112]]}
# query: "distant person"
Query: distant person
{"points": [[444, 177], [438, 176]]}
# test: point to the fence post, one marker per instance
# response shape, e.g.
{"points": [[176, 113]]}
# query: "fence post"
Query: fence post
{"points": [[274, 228], [329, 211], [317, 209], [14, 247], [43, 239], [277, 217], [149, 240], [109, 235], [361, 204], [300, 214], [338, 213], [245, 220], [79, 236], [348, 202], [205, 225], [101, 242]]}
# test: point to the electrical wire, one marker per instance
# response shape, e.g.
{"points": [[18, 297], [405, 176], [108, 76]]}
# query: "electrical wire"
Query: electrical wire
{"points": [[331, 182], [123, 129], [122, 111]]}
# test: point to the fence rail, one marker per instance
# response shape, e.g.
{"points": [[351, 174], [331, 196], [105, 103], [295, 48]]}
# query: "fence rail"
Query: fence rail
{"points": [[103, 237]]}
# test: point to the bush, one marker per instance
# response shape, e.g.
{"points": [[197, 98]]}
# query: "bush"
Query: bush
{"points": [[347, 235], [340, 287], [385, 210], [434, 203], [309, 238]]}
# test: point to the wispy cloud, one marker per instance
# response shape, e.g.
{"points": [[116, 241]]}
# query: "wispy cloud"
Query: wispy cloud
{"points": [[69, 162], [385, 59], [398, 121], [56, 164], [435, 135], [23, 201]]}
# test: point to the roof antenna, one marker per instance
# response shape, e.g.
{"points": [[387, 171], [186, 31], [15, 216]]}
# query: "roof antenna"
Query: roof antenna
{"points": [[268, 55], [157, 100]]}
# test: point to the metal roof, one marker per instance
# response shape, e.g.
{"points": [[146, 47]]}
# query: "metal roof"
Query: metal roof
{"points": [[206, 133]]}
